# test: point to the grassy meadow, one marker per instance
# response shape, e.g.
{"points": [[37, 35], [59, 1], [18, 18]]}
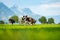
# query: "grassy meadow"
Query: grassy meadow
{"points": [[30, 32]]}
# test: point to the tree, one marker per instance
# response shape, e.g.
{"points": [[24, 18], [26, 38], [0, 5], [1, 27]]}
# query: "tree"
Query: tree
{"points": [[1, 22], [15, 18], [50, 20], [11, 21], [43, 20]]}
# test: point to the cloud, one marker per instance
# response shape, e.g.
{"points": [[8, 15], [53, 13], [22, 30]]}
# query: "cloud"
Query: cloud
{"points": [[51, 5], [46, 9]]}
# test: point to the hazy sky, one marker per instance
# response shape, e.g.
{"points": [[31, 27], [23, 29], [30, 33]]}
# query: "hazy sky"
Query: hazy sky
{"points": [[42, 7]]}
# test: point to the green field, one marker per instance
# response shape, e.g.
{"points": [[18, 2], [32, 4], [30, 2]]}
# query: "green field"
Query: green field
{"points": [[30, 32]]}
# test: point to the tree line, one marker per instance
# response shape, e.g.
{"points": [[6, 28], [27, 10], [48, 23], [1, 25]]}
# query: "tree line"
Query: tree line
{"points": [[42, 20]]}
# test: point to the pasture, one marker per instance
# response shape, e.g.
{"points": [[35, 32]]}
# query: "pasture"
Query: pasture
{"points": [[30, 32]]}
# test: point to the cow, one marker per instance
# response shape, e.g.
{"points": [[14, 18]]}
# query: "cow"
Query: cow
{"points": [[27, 20]]}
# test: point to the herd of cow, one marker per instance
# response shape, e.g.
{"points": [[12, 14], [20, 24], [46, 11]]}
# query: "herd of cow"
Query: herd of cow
{"points": [[25, 20]]}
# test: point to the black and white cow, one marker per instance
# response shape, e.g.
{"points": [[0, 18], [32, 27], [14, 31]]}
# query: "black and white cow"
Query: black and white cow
{"points": [[27, 20]]}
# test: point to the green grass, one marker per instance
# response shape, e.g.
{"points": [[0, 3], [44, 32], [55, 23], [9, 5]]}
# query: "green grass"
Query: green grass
{"points": [[30, 32]]}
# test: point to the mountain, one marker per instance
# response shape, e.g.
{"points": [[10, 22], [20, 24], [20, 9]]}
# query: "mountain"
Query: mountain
{"points": [[16, 11], [5, 12]]}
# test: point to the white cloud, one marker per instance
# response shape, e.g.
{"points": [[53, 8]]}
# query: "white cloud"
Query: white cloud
{"points": [[51, 5], [46, 9]]}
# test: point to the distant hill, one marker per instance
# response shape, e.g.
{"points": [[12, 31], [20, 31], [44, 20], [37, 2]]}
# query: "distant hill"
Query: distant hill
{"points": [[5, 12]]}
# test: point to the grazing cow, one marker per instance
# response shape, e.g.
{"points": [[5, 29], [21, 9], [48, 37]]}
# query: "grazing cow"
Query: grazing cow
{"points": [[11, 21], [27, 20]]}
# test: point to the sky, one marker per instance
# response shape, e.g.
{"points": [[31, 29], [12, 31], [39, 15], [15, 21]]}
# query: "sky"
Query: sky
{"points": [[41, 7]]}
